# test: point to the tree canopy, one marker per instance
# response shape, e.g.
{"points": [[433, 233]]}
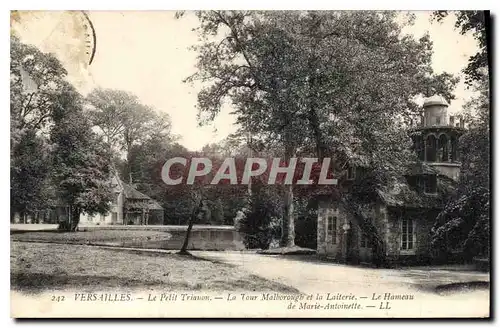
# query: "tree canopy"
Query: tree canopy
{"points": [[338, 84], [478, 23]]}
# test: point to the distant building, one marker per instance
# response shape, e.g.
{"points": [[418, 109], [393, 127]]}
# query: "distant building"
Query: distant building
{"points": [[396, 220], [129, 207]]}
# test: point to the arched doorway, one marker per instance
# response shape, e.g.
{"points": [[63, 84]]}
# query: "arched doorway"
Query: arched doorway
{"points": [[443, 148], [431, 145]]}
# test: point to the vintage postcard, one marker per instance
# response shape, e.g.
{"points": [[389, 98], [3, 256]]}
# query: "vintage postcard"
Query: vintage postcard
{"points": [[250, 164]]}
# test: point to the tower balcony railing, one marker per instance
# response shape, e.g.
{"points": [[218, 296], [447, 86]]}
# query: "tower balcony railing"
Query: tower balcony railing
{"points": [[436, 122]]}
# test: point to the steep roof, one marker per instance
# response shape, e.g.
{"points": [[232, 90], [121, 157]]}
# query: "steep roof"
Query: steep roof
{"points": [[399, 194], [132, 193], [154, 205]]}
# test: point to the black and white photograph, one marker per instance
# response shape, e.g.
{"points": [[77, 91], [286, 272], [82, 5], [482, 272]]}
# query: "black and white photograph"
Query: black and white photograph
{"points": [[250, 164]]}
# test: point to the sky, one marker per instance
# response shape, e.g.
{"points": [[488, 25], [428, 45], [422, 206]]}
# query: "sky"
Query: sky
{"points": [[147, 53]]}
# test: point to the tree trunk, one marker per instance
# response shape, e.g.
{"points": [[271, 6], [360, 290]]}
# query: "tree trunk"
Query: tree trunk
{"points": [[288, 226], [184, 247], [75, 218], [288, 222], [192, 218], [129, 164]]}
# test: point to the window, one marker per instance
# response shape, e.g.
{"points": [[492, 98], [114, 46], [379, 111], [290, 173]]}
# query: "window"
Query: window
{"points": [[443, 148], [431, 142], [364, 241], [351, 173], [419, 147], [332, 229], [430, 184], [426, 184], [420, 184], [438, 120], [408, 236]]}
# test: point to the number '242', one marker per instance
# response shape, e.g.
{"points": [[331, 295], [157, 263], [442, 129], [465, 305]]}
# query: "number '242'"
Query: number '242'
{"points": [[57, 298]]}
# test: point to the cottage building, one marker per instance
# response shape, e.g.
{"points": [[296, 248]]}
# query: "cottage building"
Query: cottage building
{"points": [[129, 207], [393, 226]]}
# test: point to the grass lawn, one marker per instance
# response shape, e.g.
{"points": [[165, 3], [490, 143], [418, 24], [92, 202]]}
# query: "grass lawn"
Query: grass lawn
{"points": [[94, 236], [37, 267]]}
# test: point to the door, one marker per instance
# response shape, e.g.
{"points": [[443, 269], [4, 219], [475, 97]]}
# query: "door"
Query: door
{"points": [[331, 237]]}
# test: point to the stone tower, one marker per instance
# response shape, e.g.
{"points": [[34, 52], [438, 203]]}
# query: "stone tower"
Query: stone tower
{"points": [[436, 139]]}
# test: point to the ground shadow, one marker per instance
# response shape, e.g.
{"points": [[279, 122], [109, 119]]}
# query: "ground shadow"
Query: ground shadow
{"points": [[34, 283]]}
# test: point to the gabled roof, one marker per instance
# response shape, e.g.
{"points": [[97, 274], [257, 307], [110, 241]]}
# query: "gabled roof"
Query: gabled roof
{"points": [[399, 194], [132, 193], [154, 205]]}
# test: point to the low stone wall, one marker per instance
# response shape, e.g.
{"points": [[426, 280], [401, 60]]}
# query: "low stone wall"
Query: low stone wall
{"points": [[203, 237], [218, 240]]}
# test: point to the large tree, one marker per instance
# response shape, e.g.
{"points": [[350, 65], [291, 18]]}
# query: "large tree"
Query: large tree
{"points": [[478, 24], [464, 224], [80, 163], [29, 174], [36, 83], [336, 84], [56, 159], [126, 122]]}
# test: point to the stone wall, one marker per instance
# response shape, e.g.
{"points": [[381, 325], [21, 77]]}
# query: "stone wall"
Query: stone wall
{"points": [[388, 225], [216, 240], [347, 247], [321, 231], [202, 237], [421, 254]]}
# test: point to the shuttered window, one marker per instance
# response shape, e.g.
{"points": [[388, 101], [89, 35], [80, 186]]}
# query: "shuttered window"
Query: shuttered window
{"points": [[408, 236], [332, 229]]}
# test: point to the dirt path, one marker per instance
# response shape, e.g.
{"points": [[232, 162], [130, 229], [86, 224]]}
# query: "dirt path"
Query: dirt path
{"points": [[406, 293], [312, 276]]}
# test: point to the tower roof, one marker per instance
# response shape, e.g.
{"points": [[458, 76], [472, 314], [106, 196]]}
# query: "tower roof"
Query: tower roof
{"points": [[435, 100]]}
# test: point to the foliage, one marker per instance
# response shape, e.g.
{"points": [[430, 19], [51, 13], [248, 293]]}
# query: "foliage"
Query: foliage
{"points": [[475, 22], [217, 212], [475, 143], [465, 223], [306, 226], [80, 161], [338, 84], [463, 226], [126, 123], [36, 81], [55, 157], [260, 223], [29, 173]]}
